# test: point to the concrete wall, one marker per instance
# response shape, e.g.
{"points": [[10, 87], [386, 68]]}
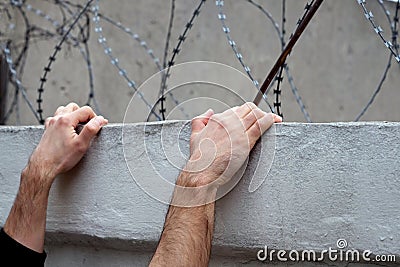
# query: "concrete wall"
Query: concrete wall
{"points": [[326, 182], [336, 65]]}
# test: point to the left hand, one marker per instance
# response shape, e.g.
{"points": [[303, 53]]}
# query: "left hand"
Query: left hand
{"points": [[61, 147]]}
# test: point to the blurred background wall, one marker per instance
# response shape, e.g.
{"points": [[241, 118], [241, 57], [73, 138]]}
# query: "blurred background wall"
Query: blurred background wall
{"points": [[337, 64]]}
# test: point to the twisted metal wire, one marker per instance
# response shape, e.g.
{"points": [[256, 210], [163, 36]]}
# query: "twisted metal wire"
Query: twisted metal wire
{"points": [[393, 24], [52, 59], [281, 35], [85, 52], [222, 18], [18, 83], [124, 29], [171, 62], [72, 21], [141, 42], [32, 32], [114, 60], [378, 30], [169, 32]]}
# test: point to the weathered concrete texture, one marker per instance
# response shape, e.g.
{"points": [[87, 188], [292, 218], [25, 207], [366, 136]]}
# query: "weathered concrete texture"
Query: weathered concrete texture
{"points": [[90, 256], [327, 181]]}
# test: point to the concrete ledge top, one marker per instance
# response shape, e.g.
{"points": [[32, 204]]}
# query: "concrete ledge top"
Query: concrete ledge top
{"points": [[326, 182]]}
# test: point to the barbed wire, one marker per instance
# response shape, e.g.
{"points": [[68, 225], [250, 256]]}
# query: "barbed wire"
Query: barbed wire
{"points": [[17, 82], [165, 76], [169, 32], [281, 35], [279, 77], [52, 59], [239, 56], [114, 60], [85, 51], [74, 29], [393, 25], [126, 30], [142, 43], [171, 62], [378, 29], [18, 65]]}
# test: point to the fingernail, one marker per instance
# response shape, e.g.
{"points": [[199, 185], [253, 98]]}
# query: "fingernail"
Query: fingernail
{"points": [[100, 120]]}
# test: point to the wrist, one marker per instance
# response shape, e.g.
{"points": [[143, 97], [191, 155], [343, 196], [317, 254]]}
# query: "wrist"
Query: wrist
{"points": [[196, 178], [193, 190], [189, 179], [36, 175]]}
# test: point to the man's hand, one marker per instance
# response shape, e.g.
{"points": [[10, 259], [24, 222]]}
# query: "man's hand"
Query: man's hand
{"points": [[59, 150], [221, 143]]}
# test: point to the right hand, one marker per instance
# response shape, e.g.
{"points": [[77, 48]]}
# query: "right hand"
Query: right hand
{"points": [[221, 143]]}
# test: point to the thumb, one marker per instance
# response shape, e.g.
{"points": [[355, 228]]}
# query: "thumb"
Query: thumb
{"points": [[92, 128], [199, 122], [277, 118]]}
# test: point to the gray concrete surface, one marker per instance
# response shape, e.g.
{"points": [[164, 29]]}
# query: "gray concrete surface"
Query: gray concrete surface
{"points": [[336, 65], [327, 182]]}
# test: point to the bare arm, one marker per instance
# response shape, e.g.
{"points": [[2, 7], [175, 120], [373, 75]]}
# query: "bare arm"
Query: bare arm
{"points": [[220, 144], [59, 150], [187, 234]]}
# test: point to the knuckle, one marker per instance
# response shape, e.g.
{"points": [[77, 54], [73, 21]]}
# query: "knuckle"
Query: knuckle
{"points": [[258, 127], [220, 121], [194, 120], [81, 147], [270, 118], [215, 117], [73, 105], [92, 129], [251, 105], [59, 109], [49, 121], [224, 121], [87, 109], [63, 120], [235, 108], [258, 113]]}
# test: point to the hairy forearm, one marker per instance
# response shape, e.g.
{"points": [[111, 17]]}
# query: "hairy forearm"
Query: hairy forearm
{"points": [[186, 238], [27, 219]]}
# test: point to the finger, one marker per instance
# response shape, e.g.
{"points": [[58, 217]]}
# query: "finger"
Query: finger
{"points": [[277, 118], [47, 122], [234, 109], [252, 117], [82, 115], [201, 121], [59, 111], [259, 128], [71, 107], [245, 109], [91, 129]]}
